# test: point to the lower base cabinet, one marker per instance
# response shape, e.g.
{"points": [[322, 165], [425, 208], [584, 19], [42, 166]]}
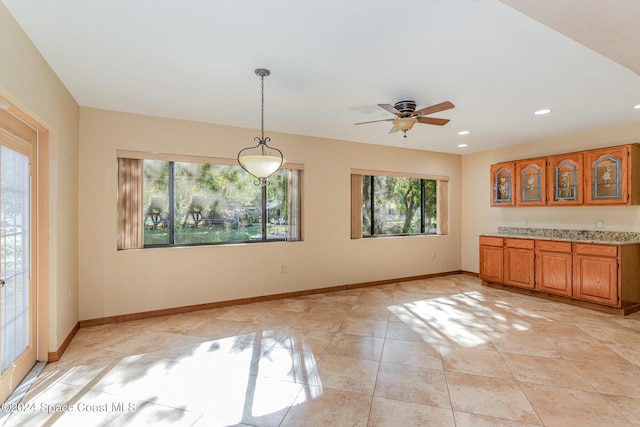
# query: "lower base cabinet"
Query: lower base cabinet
{"points": [[491, 259], [554, 267], [597, 273], [596, 279], [596, 270], [519, 263]]}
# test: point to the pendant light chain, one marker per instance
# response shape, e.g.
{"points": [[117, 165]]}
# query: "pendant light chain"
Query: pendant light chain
{"points": [[262, 104]]}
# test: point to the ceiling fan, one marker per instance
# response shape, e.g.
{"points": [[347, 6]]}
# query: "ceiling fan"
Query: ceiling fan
{"points": [[407, 115]]}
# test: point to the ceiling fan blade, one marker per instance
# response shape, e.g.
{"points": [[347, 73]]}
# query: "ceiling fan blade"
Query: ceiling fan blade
{"points": [[432, 121], [390, 108], [374, 121], [394, 130], [434, 109]]}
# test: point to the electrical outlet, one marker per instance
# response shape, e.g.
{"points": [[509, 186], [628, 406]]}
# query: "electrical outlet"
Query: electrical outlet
{"points": [[433, 255], [283, 268], [598, 224]]}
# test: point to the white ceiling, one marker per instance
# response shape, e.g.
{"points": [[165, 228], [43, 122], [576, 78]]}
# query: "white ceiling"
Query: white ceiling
{"points": [[332, 61]]}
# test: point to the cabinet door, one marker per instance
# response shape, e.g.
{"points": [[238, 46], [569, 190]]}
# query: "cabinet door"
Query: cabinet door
{"points": [[518, 267], [491, 263], [502, 181], [606, 176], [596, 279], [554, 273], [565, 178], [530, 182]]}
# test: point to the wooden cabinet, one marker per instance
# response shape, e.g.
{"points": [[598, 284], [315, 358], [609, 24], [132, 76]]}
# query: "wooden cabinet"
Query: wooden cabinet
{"points": [[607, 176], [596, 273], [519, 262], [604, 274], [554, 262], [530, 182], [565, 177], [502, 184], [491, 259]]}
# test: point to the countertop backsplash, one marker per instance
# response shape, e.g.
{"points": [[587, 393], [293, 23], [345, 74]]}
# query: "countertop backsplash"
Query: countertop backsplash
{"points": [[587, 236]]}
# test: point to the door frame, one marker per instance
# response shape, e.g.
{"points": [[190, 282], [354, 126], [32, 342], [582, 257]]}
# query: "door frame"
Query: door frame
{"points": [[41, 211]]}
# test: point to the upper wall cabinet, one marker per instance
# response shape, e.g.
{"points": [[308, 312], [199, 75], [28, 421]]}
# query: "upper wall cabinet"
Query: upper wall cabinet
{"points": [[607, 176], [502, 184], [565, 176], [530, 182], [610, 178]]}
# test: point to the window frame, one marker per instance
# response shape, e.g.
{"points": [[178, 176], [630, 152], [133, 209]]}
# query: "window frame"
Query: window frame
{"points": [[175, 158], [442, 202]]}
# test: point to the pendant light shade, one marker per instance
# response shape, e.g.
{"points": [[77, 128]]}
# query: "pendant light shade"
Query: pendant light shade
{"points": [[261, 166], [261, 160]]}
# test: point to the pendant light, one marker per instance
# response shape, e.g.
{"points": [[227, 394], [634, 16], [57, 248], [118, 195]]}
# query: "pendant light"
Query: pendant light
{"points": [[261, 161]]}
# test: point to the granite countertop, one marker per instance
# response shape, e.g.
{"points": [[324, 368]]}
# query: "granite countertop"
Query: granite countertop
{"points": [[586, 236]]}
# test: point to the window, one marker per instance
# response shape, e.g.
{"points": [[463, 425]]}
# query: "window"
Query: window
{"points": [[386, 204], [196, 203]]}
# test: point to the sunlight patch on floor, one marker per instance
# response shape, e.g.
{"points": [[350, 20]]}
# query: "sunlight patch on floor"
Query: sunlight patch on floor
{"points": [[466, 319]]}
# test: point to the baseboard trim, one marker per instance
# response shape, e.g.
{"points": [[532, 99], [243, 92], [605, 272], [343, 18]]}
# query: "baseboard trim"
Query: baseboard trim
{"points": [[56, 355], [189, 308]]}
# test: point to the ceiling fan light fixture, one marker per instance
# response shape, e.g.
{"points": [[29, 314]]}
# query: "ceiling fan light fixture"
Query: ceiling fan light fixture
{"points": [[407, 115], [405, 123], [261, 161]]}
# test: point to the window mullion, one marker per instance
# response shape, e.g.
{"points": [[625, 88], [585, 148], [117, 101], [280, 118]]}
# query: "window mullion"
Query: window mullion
{"points": [[171, 204], [422, 201], [264, 212], [371, 197]]}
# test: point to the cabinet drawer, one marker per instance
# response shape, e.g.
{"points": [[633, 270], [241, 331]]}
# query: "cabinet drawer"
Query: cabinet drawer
{"points": [[599, 250], [547, 245], [491, 241], [519, 243]]}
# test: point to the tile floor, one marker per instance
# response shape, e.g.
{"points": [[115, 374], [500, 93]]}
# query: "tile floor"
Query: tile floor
{"points": [[438, 352]]}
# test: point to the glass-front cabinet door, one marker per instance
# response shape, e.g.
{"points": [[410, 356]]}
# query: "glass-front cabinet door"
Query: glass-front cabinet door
{"points": [[606, 175], [502, 184], [530, 182], [565, 178]]}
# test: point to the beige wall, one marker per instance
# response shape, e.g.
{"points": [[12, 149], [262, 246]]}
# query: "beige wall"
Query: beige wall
{"points": [[27, 81], [123, 282], [120, 282], [478, 217]]}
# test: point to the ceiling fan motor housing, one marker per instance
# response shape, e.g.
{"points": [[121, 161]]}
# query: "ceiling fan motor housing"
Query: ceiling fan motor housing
{"points": [[405, 107]]}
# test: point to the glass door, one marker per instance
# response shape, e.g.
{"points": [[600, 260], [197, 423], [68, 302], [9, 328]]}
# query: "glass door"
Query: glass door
{"points": [[17, 289]]}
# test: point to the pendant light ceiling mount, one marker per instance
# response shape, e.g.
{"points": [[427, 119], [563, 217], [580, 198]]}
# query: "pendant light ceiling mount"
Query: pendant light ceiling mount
{"points": [[261, 161], [262, 72]]}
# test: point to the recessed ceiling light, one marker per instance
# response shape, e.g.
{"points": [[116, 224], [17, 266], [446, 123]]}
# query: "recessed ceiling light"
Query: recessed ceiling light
{"points": [[543, 111], [464, 132], [462, 145], [637, 107]]}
